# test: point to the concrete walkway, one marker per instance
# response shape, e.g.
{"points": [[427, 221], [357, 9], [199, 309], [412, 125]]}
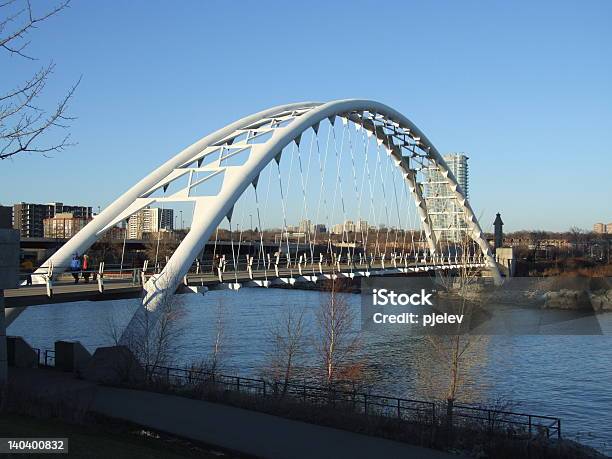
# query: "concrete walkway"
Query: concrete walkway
{"points": [[244, 431]]}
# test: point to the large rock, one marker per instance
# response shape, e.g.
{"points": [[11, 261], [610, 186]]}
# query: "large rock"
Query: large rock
{"points": [[567, 299], [602, 300], [113, 365]]}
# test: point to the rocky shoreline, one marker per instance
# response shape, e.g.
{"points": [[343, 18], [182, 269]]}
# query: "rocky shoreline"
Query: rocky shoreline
{"points": [[598, 301]]}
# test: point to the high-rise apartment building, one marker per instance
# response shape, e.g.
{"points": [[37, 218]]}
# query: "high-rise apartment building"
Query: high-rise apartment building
{"points": [[29, 218], [599, 228], [446, 214], [149, 220]]}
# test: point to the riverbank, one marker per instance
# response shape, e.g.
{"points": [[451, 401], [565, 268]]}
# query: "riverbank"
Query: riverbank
{"points": [[235, 431], [564, 376]]}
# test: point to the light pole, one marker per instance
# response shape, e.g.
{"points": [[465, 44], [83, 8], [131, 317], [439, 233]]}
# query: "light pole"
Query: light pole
{"points": [[182, 225]]}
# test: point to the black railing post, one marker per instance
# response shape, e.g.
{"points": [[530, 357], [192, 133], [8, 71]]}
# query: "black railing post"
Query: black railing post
{"points": [[559, 429], [449, 414], [399, 409], [529, 426]]}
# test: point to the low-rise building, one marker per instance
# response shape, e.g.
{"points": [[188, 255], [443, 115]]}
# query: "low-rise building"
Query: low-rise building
{"points": [[599, 228], [28, 218], [63, 225]]}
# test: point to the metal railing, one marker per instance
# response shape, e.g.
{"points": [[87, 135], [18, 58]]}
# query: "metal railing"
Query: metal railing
{"points": [[493, 420], [369, 404], [420, 411], [519, 425], [48, 358]]}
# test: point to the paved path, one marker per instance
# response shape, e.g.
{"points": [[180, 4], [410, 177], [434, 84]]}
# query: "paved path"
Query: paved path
{"points": [[244, 431], [249, 432]]}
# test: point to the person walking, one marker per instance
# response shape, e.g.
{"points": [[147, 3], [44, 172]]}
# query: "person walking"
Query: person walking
{"points": [[86, 266], [75, 267]]}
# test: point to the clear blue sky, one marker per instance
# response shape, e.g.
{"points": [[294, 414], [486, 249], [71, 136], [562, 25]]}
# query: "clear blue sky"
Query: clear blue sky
{"points": [[524, 88]]}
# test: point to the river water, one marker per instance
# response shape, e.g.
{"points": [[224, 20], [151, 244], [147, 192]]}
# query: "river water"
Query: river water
{"points": [[567, 376]]}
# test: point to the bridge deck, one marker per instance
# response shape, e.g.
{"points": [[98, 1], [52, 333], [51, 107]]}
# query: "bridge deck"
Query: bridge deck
{"points": [[65, 290]]}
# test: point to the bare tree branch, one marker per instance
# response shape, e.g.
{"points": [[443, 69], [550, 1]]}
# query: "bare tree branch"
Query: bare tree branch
{"points": [[23, 123]]}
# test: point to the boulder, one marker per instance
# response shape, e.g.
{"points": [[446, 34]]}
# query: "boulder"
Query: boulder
{"points": [[602, 300], [567, 299]]}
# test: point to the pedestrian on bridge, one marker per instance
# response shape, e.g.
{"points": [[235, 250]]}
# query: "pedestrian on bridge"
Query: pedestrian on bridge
{"points": [[86, 267], [75, 267]]}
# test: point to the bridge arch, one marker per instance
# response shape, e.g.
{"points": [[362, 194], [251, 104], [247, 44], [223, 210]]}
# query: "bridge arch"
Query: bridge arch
{"points": [[276, 128]]}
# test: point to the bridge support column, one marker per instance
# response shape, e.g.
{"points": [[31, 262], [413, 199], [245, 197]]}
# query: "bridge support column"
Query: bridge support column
{"points": [[9, 264]]}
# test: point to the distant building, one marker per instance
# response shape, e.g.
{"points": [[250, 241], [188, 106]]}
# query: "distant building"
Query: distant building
{"points": [[599, 228], [28, 218], [445, 213], [63, 225], [6, 217], [320, 228], [305, 226], [149, 220], [361, 226], [609, 228], [340, 228]]}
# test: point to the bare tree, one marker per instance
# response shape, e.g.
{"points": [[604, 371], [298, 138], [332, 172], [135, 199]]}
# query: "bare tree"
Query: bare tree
{"points": [[286, 357], [455, 350], [154, 340], [217, 351], [23, 123], [338, 341], [577, 237], [160, 248]]}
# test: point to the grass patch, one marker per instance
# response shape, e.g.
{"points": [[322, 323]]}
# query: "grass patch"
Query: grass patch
{"points": [[112, 440]]}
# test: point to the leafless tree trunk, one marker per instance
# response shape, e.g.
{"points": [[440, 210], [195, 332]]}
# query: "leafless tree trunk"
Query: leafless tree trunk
{"points": [[215, 359], [154, 343], [338, 341], [457, 351], [285, 359], [24, 124]]}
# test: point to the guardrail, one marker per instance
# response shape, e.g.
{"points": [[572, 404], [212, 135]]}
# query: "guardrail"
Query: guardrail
{"points": [[369, 404], [410, 410], [494, 419]]}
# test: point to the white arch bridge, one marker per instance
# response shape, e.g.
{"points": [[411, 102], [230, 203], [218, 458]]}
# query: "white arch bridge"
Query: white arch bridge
{"points": [[357, 167]]}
